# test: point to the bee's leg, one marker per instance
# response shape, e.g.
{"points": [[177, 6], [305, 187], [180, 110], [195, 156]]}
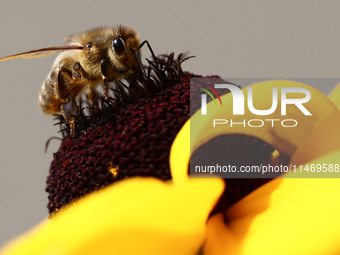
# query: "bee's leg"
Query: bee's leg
{"points": [[105, 76], [150, 49], [68, 103], [80, 76], [69, 111]]}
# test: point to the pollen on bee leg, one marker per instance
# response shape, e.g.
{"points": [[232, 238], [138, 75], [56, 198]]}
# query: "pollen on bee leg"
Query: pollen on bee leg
{"points": [[113, 170], [72, 128], [105, 87]]}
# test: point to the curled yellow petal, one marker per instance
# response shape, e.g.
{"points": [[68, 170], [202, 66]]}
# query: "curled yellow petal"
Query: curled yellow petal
{"points": [[288, 216], [284, 139], [285, 216], [135, 216]]}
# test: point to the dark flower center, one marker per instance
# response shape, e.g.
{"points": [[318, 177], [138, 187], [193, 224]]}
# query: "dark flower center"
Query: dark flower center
{"points": [[237, 150], [114, 143]]}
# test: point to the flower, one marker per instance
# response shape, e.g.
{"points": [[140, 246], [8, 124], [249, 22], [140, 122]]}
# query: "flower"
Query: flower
{"points": [[144, 215]]}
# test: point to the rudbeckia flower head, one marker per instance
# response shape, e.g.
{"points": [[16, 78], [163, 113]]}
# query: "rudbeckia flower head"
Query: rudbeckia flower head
{"points": [[122, 184]]}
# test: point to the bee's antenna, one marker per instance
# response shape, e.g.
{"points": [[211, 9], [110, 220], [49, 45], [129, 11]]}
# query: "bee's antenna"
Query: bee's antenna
{"points": [[139, 61]]}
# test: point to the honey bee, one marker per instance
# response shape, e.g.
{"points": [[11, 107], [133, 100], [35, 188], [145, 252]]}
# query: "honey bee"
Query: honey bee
{"points": [[99, 55]]}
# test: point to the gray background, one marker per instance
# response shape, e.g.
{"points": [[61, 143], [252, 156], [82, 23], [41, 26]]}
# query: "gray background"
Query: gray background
{"points": [[229, 38]]}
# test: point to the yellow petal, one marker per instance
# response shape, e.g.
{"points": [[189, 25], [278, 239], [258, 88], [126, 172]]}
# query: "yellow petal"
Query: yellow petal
{"points": [[180, 155], [284, 139], [135, 216], [220, 240], [322, 140], [285, 216]]}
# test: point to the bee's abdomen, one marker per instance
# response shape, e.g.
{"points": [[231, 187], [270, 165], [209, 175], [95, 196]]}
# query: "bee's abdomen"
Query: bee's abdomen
{"points": [[48, 101]]}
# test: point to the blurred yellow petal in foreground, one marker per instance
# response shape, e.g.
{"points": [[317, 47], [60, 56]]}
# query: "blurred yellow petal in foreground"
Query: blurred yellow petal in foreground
{"points": [[285, 216], [134, 216], [288, 216]]}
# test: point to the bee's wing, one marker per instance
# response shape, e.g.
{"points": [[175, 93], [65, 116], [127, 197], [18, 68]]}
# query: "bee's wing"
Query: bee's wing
{"points": [[43, 52]]}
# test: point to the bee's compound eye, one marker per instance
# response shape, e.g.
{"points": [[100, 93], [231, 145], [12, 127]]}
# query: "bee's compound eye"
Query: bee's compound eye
{"points": [[118, 45]]}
